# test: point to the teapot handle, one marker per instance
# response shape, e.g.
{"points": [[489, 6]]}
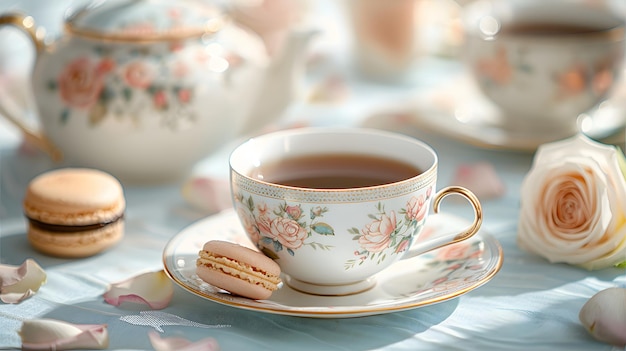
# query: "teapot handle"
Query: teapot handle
{"points": [[36, 35]]}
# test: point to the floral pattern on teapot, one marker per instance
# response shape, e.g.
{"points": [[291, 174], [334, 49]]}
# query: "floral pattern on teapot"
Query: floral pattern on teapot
{"points": [[126, 85], [286, 227]]}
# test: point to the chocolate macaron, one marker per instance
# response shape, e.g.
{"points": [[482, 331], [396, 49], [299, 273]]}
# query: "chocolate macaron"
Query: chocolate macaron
{"points": [[74, 212]]}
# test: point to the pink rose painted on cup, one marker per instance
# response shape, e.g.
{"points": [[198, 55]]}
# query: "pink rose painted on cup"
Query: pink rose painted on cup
{"points": [[376, 236], [294, 211], [386, 232], [283, 227], [573, 81], [80, 83], [497, 70], [417, 208], [287, 232]]}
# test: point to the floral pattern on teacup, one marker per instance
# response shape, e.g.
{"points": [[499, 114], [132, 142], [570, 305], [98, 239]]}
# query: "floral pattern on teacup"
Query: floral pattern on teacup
{"points": [[282, 228], [497, 69], [387, 231], [286, 227], [500, 69]]}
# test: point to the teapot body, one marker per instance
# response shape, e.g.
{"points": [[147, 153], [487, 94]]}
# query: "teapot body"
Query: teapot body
{"points": [[144, 110]]}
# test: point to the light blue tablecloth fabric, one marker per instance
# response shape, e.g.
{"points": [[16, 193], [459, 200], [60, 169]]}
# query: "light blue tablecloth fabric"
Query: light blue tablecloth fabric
{"points": [[529, 305]]}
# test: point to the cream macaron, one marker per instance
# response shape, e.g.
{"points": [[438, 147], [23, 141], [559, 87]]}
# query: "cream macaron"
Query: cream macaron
{"points": [[74, 212], [238, 269]]}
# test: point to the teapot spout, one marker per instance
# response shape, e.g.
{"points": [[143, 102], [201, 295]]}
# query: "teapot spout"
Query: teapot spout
{"points": [[282, 82]]}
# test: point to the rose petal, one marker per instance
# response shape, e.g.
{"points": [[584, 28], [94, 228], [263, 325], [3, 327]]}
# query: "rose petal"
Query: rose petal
{"points": [[50, 334], [19, 283], [154, 289], [481, 178], [207, 194], [574, 184], [604, 316], [614, 257], [573, 206], [331, 90], [180, 344]]}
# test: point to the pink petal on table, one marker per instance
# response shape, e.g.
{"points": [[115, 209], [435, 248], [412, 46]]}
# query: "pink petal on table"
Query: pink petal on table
{"points": [[180, 344], [154, 289], [51, 334], [27, 148], [481, 178], [604, 316], [207, 193], [20, 282], [331, 90]]}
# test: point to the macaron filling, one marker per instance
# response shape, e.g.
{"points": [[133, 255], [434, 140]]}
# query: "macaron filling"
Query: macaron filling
{"points": [[64, 228], [238, 269]]}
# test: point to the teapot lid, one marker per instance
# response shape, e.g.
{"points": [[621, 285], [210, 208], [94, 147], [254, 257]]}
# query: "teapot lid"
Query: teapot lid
{"points": [[145, 20]]}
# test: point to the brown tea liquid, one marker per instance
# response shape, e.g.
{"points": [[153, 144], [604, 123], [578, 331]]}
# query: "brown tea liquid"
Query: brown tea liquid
{"points": [[335, 171], [548, 29]]}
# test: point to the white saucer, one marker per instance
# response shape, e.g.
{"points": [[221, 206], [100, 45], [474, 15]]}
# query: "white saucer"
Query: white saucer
{"points": [[431, 278], [459, 110]]}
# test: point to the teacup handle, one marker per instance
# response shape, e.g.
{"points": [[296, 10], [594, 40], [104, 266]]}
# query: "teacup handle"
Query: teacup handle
{"points": [[450, 238], [27, 25]]}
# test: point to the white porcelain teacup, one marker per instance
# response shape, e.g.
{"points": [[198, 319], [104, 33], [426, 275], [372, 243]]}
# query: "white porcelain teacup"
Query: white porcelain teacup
{"points": [[543, 63], [335, 206]]}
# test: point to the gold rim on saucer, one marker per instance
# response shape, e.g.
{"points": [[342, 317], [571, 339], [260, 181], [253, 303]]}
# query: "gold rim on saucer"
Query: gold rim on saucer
{"points": [[431, 278]]}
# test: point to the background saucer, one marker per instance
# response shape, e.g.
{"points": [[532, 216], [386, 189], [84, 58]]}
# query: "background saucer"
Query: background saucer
{"points": [[457, 109], [434, 277]]}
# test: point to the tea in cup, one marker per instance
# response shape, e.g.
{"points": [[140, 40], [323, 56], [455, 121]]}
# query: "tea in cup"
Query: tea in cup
{"points": [[543, 63], [335, 206]]}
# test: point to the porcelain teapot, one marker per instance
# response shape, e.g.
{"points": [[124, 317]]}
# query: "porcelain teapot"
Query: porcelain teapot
{"points": [[144, 89]]}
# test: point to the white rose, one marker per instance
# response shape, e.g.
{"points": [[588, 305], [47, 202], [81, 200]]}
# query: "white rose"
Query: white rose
{"points": [[573, 204]]}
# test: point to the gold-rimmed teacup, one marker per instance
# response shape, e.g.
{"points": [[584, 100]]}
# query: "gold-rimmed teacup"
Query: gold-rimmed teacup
{"points": [[543, 63], [335, 206]]}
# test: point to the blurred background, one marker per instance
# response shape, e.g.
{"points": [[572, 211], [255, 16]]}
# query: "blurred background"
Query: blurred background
{"points": [[395, 48], [428, 27]]}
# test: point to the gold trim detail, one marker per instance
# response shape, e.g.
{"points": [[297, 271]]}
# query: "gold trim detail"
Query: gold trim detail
{"points": [[244, 183], [211, 27], [493, 261]]}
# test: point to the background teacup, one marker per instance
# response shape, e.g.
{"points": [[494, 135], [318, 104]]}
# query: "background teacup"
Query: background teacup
{"points": [[335, 206], [543, 63]]}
